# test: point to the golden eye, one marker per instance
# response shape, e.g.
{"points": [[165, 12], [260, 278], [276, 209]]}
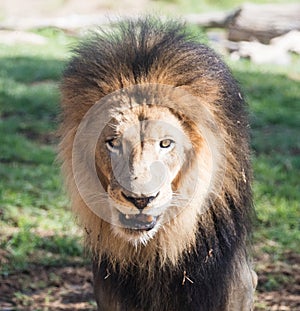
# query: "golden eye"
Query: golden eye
{"points": [[166, 143], [113, 144]]}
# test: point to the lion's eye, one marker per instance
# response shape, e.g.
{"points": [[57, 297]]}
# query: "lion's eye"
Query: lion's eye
{"points": [[113, 144], [166, 143]]}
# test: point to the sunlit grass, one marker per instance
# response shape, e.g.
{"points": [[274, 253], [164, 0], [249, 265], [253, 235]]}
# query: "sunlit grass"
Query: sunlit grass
{"points": [[35, 222], [274, 104]]}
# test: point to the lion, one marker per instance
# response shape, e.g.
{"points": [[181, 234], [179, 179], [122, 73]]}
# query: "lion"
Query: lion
{"points": [[155, 154]]}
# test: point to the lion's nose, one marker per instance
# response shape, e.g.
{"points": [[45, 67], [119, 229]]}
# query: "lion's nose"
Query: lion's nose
{"points": [[140, 202]]}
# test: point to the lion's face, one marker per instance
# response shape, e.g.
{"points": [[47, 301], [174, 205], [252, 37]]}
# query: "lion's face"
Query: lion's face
{"points": [[141, 155], [145, 168]]}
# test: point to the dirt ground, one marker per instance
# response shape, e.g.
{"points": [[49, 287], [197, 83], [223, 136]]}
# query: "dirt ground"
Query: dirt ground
{"points": [[70, 288]]}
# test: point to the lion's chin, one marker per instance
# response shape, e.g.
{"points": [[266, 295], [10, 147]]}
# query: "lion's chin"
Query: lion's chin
{"points": [[136, 232]]}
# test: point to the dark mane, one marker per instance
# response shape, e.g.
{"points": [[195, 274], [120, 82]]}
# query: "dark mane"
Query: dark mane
{"points": [[146, 50]]}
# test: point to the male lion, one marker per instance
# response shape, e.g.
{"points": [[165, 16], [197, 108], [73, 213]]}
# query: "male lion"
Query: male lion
{"points": [[155, 154]]}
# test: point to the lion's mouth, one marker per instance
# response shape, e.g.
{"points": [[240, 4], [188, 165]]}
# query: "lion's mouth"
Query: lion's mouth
{"points": [[138, 221]]}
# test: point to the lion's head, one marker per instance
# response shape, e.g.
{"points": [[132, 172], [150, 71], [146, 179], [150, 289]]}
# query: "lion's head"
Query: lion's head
{"points": [[154, 145]]}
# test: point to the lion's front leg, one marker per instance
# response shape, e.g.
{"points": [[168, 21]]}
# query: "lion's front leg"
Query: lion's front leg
{"points": [[242, 293]]}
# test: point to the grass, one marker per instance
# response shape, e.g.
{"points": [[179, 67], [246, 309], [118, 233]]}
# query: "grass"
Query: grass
{"points": [[274, 99], [34, 218], [36, 225]]}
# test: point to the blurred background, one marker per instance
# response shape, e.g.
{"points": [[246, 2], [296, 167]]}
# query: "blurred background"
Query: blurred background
{"points": [[42, 262]]}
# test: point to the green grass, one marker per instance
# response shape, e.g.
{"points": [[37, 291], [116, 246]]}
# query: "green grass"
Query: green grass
{"points": [[35, 222], [274, 100], [36, 225]]}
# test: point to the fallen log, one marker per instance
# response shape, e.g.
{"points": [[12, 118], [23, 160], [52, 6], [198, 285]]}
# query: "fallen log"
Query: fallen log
{"points": [[212, 19], [263, 22]]}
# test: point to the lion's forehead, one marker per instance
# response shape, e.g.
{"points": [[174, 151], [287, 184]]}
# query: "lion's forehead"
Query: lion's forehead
{"points": [[147, 122]]}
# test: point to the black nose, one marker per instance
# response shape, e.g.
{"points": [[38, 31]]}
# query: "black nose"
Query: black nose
{"points": [[140, 203]]}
